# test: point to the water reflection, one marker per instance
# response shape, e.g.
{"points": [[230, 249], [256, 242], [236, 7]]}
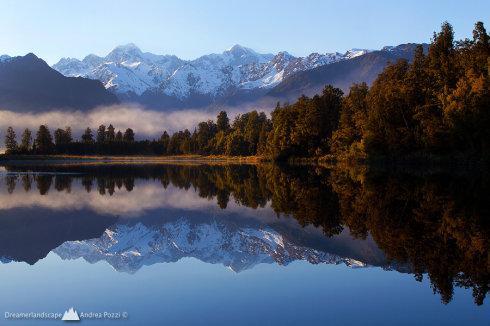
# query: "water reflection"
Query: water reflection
{"points": [[243, 215]]}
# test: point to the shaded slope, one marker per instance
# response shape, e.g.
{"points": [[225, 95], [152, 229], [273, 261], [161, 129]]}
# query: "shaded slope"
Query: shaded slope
{"points": [[28, 84]]}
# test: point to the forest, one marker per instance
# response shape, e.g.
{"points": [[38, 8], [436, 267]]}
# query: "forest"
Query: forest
{"points": [[436, 105]]}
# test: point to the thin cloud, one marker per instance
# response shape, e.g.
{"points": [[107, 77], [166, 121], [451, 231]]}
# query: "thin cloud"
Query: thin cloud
{"points": [[143, 122], [146, 123]]}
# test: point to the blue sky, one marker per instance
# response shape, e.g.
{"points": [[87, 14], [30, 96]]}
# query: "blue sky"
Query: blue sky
{"points": [[54, 28]]}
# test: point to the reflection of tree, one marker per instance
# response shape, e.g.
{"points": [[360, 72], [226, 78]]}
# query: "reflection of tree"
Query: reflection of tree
{"points": [[44, 183], [26, 182], [304, 192], [128, 184], [111, 185], [63, 182], [87, 183], [436, 225], [10, 182], [223, 197], [101, 185]]}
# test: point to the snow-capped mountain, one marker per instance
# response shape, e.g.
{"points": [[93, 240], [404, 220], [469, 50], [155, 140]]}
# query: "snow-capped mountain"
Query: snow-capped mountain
{"points": [[129, 72], [129, 247], [125, 69]]}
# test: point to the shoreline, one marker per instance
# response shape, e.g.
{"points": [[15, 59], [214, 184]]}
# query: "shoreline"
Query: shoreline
{"points": [[414, 164]]}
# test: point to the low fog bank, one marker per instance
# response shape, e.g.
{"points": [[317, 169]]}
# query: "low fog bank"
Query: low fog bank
{"points": [[145, 123]]}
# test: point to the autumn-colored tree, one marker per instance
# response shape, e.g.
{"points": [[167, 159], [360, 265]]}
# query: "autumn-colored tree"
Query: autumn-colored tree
{"points": [[222, 122], [347, 140]]}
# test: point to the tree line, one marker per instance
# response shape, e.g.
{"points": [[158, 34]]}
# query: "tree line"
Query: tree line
{"points": [[437, 104], [106, 140], [247, 135]]}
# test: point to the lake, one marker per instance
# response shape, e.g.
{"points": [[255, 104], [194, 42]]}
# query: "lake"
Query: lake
{"points": [[242, 244]]}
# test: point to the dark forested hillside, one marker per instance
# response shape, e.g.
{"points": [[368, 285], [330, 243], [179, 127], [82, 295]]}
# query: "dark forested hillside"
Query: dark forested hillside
{"points": [[28, 84], [438, 105]]}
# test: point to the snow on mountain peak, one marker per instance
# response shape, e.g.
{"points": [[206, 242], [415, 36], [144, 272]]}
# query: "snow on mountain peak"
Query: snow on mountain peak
{"points": [[126, 69], [239, 50], [352, 53], [93, 60], [124, 52]]}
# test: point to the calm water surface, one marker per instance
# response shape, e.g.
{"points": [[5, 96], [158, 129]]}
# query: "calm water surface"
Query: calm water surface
{"points": [[244, 245]]}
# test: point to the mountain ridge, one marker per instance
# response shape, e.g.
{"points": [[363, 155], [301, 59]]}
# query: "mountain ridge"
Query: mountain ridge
{"points": [[167, 80], [343, 74], [28, 83]]}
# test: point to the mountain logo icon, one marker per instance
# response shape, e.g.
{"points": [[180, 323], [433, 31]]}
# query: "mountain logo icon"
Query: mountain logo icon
{"points": [[71, 315]]}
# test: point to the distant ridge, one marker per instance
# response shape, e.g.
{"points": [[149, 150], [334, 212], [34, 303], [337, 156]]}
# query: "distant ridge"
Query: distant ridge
{"points": [[29, 84], [343, 74]]}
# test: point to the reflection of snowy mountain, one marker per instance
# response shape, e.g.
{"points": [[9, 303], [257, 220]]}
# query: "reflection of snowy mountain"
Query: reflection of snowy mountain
{"points": [[5, 260], [129, 247]]}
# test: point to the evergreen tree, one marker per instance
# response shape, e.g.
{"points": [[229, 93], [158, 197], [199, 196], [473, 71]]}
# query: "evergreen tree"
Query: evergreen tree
{"points": [[10, 141], [222, 122], [236, 145], [263, 136], [68, 135], [174, 147], [128, 136], [219, 142], [26, 141], [87, 137], [346, 141], [119, 136], [205, 133], [185, 142], [164, 140], [111, 136], [44, 141], [59, 137], [101, 134], [441, 57]]}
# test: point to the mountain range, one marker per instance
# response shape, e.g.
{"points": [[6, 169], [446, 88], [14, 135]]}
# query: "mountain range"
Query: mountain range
{"points": [[237, 76], [169, 81]]}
